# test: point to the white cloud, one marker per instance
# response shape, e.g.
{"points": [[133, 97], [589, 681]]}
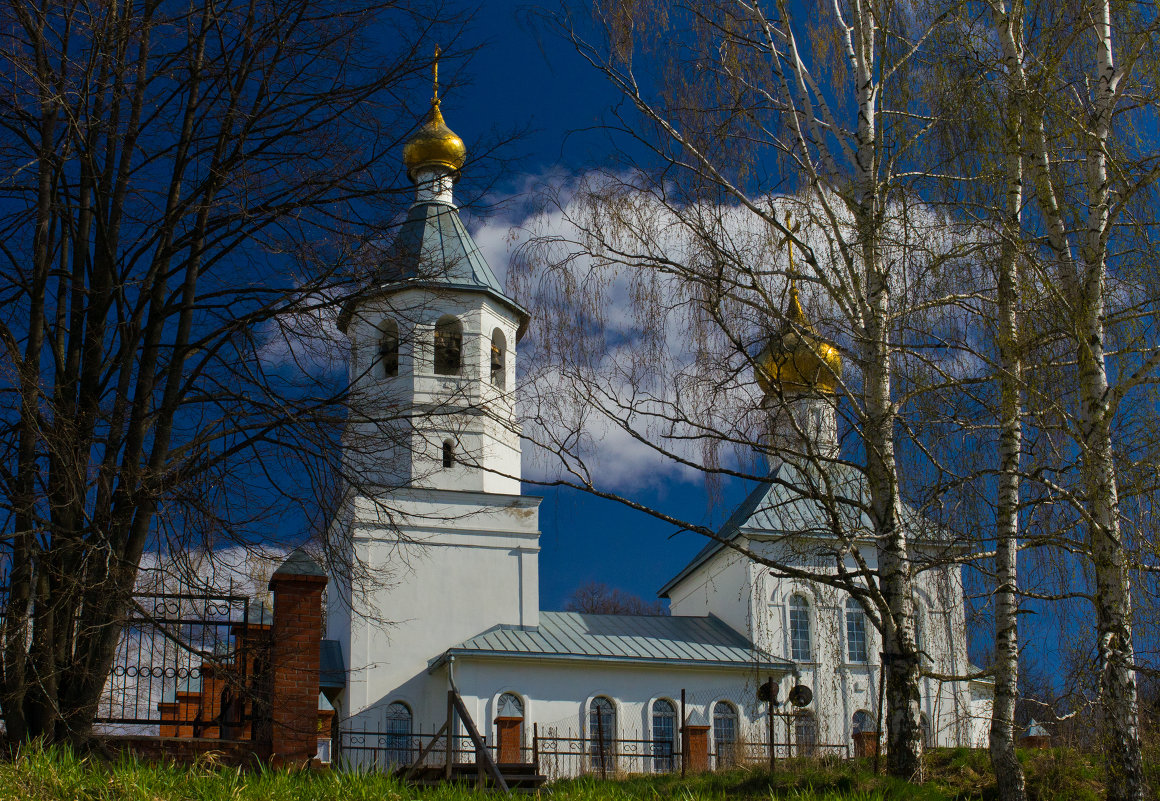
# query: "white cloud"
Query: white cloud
{"points": [[619, 329]]}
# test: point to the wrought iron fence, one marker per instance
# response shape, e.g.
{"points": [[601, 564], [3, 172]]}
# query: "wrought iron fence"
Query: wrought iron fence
{"points": [[572, 755], [559, 755], [388, 751], [189, 665]]}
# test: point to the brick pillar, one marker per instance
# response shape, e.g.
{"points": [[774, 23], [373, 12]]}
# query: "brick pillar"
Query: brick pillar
{"points": [[297, 586]]}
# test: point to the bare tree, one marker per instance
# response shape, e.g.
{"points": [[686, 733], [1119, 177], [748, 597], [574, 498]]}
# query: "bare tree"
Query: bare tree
{"points": [[182, 182], [597, 598]]}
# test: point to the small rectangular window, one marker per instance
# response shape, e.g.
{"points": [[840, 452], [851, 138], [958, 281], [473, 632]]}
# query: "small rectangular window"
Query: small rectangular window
{"points": [[855, 635]]}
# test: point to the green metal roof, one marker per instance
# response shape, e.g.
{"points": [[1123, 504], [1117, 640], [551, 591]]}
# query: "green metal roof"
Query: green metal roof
{"points": [[434, 245], [300, 563], [434, 250], [797, 501], [678, 640]]}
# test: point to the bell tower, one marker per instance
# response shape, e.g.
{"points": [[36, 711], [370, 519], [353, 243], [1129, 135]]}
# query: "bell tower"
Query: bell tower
{"points": [[432, 509], [433, 344]]}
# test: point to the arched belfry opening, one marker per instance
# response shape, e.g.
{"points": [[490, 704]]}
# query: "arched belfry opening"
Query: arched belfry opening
{"points": [[389, 348], [448, 346], [498, 359], [448, 453]]}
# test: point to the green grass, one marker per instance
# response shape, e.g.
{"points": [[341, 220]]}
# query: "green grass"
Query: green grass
{"points": [[57, 774]]}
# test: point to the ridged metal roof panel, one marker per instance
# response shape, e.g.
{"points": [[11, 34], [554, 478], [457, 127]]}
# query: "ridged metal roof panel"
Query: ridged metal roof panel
{"points": [[644, 638], [434, 246]]}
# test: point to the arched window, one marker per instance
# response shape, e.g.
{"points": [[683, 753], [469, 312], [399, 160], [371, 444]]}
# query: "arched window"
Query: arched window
{"points": [[799, 629], [498, 358], [448, 453], [448, 346], [509, 729], [725, 733], [863, 721], [855, 631], [389, 348], [927, 734], [509, 706], [805, 733], [602, 734], [397, 734], [664, 735]]}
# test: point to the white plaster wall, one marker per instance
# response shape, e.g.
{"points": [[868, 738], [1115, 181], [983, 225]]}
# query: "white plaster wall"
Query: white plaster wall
{"points": [[843, 688], [557, 695], [720, 587], [451, 565]]}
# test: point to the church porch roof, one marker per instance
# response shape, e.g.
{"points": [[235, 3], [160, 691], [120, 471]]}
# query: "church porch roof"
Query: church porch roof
{"points": [[678, 640]]}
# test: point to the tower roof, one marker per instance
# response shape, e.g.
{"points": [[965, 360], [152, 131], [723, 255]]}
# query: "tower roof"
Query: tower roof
{"points": [[434, 250], [433, 245]]}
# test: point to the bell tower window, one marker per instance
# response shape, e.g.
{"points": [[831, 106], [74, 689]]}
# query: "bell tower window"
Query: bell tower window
{"points": [[448, 453], [448, 346], [498, 347], [389, 348]]}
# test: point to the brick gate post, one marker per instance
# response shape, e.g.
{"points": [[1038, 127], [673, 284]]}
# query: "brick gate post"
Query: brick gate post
{"points": [[297, 629]]}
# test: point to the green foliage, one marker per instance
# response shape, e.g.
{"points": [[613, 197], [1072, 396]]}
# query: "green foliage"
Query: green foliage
{"points": [[58, 774]]}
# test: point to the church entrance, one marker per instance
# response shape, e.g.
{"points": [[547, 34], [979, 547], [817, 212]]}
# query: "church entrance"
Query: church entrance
{"points": [[509, 729]]}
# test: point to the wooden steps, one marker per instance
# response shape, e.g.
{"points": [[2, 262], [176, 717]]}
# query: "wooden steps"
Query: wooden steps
{"points": [[517, 775]]}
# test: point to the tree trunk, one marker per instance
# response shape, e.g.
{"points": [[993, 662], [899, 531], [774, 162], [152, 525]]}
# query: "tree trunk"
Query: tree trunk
{"points": [[1008, 771], [1113, 595]]}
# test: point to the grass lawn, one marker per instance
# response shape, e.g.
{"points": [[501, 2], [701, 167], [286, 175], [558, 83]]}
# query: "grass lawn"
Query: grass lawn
{"points": [[954, 775]]}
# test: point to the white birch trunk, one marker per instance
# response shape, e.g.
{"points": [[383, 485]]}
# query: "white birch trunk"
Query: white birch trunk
{"points": [[904, 741], [1008, 771], [1113, 595], [1083, 279]]}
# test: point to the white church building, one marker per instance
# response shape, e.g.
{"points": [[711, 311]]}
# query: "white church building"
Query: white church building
{"points": [[433, 352]]}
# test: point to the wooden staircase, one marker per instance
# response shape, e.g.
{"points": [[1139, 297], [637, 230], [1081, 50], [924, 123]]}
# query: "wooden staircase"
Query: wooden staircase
{"points": [[517, 776], [483, 772]]}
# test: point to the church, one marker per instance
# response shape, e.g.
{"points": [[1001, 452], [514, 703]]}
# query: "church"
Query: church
{"points": [[433, 365]]}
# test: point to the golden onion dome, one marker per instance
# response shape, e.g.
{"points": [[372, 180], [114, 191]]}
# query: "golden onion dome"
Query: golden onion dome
{"points": [[797, 359], [434, 145]]}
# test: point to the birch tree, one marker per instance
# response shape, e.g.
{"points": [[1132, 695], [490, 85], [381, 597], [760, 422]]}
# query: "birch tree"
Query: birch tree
{"points": [[1084, 181], [735, 105]]}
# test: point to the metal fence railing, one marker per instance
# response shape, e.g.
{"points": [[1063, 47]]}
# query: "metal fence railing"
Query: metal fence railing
{"points": [[558, 755], [188, 665]]}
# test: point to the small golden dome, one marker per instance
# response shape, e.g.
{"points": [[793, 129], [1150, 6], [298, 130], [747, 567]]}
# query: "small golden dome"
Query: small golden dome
{"points": [[796, 359], [434, 145]]}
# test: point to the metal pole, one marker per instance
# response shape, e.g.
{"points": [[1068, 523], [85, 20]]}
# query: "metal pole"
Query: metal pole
{"points": [[600, 742], [772, 752], [684, 740], [536, 747], [450, 734]]}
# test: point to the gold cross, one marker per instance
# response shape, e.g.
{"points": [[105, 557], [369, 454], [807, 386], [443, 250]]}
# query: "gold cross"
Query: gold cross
{"points": [[792, 228], [435, 76]]}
